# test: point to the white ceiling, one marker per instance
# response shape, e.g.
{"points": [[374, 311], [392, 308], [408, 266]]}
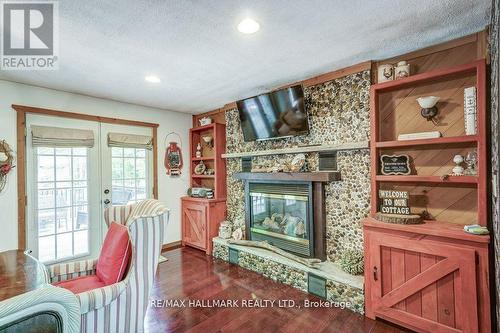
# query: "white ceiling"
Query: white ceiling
{"points": [[107, 47]]}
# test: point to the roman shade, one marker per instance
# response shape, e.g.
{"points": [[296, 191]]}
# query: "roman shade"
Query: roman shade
{"points": [[44, 136], [130, 141]]}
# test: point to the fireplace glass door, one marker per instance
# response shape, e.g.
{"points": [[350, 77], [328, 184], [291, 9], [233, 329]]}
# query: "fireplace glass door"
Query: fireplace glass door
{"points": [[280, 214]]}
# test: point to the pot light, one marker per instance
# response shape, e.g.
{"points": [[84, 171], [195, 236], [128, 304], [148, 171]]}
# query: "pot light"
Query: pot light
{"points": [[248, 26], [152, 79]]}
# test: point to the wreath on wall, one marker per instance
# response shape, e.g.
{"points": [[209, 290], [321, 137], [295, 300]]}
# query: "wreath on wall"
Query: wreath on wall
{"points": [[6, 163]]}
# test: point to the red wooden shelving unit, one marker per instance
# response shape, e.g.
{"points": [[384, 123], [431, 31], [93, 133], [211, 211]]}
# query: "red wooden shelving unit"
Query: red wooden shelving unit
{"points": [[201, 216], [399, 258], [211, 156], [477, 68]]}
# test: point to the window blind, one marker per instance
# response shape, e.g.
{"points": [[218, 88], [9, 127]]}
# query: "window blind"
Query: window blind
{"points": [[130, 141], [44, 136]]}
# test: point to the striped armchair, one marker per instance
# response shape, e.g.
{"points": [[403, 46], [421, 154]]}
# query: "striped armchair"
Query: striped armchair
{"points": [[41, 310], [121, 307]]}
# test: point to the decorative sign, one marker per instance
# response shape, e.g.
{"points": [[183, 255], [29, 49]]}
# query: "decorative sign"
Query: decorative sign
{"points": [[395, 164], [394, 202]]}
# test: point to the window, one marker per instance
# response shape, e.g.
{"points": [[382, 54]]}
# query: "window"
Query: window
{"points": [[129, 175], [62, 203]]}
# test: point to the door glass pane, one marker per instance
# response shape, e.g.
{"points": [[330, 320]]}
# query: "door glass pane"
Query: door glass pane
{"points": [[81, 218], [63, 197], [46, 248], [65, 245], [62, 203], [64, 221], [45, 168], [79, 168], [63, 168], [45, 199], [129, 174], [81, 242], [46, 222]]}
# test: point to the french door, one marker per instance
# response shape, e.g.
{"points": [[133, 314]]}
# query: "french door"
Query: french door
{"points": [[70, 184]]}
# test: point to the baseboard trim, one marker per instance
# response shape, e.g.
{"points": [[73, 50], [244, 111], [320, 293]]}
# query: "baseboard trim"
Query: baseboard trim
{"points": [[171, 246]]}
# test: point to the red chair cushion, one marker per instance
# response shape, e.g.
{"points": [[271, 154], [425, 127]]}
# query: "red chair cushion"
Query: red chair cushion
{"points": [[81, 284], [115, 254]]}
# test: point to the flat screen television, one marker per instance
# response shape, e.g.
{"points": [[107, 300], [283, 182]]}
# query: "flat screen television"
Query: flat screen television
{"points": [[277, 114]]}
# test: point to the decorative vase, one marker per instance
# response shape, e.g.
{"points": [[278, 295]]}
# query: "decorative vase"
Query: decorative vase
{"points": [[385, 73], [402, 70]]}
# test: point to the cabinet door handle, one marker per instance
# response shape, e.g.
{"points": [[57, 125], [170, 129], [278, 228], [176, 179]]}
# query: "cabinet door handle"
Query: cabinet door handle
{"points": [[375, 277]]}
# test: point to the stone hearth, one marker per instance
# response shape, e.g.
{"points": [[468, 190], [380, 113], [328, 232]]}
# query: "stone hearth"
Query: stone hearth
{"points": [[340, 286]]}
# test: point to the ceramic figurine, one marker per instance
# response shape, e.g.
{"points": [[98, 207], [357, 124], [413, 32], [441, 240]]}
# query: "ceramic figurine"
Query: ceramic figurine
{"points": [[385, 73], [402, 70], [198, 150], [471, 162], [458, 170]]}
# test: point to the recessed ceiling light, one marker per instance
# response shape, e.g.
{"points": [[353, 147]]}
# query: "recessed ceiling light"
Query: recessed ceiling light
{"points": [[248, 26], [152, 79]]}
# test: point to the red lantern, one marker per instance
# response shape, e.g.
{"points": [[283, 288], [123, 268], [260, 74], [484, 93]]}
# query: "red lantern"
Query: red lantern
{"points": [[173, 158]]}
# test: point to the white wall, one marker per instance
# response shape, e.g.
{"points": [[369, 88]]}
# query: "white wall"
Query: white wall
{"points": [[169, 189]]}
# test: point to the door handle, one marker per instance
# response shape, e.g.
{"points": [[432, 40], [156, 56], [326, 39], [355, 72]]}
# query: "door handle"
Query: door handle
{"points": [[106, 191], [106, 202], [375, 270]]}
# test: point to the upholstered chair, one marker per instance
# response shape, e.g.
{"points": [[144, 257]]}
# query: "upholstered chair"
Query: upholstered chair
{"points": [[47, 309], [121, 307]]}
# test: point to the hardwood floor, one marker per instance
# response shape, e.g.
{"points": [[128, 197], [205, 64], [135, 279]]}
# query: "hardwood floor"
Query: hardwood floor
{"points": [[191, 275]]}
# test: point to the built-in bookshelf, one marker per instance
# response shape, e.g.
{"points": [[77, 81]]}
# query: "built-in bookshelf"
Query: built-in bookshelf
{"points": [[455, 199], [211, 156]]}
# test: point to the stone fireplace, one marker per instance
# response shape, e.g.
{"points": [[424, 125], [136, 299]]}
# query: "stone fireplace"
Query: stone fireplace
{"points": [[287, 210]]}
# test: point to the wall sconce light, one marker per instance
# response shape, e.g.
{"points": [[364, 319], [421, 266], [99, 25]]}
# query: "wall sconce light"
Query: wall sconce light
{"points": [[428, 105]]}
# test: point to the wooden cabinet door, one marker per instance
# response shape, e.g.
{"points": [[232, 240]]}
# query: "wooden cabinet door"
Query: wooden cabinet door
{"points": [[194, 221], [423, 285]]}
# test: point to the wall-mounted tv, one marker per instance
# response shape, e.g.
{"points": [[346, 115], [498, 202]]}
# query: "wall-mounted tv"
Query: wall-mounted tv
{"points": [[277, 114]]}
